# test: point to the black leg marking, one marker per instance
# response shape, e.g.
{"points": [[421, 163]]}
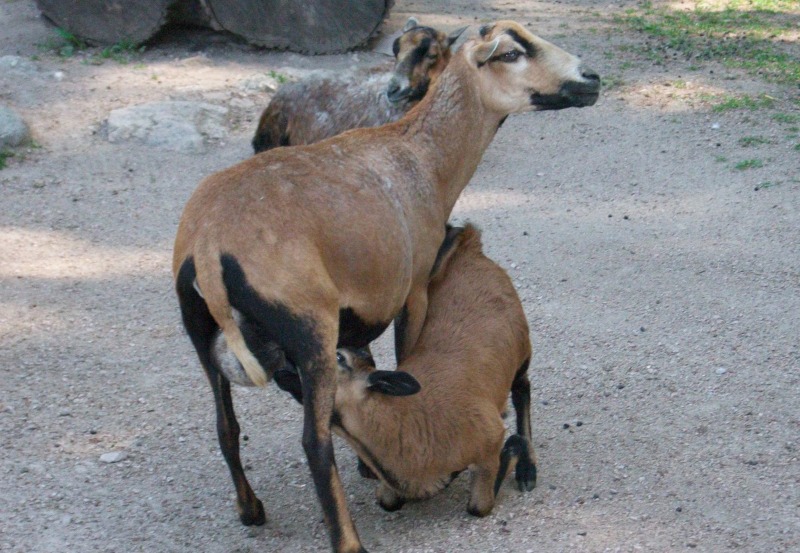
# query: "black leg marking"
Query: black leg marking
{"points": [[521, 399], [318, 392], [400, 324], [365, 471], [202, 328], [516, 449]]}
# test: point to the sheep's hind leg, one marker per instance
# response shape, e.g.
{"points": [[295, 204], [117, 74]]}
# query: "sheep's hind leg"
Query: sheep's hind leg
{"points": [[251, 510], [202, 329]]}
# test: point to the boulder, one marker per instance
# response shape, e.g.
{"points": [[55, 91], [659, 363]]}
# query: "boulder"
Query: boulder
{"points": [[13, 130], [176, 126]]}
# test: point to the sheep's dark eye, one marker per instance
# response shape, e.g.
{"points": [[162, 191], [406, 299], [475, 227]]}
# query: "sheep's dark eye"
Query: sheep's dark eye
{"points": [[340, 358], [431, 56], [508, 57]]}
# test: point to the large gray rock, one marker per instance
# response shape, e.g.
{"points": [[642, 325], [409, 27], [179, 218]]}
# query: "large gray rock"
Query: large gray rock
{"points": [[13, 130], [174, 126]]}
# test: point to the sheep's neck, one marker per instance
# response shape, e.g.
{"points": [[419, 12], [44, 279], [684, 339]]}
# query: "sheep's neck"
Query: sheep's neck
{"points": [[453, 129]]}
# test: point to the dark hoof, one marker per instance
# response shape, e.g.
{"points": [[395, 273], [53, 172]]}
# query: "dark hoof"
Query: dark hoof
{"points": [[365, 471], [391, 507], [474, 511], [525, 475], [253, 517]]}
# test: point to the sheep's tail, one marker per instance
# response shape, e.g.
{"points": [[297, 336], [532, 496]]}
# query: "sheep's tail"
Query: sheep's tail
{"points": [[211, 286]]}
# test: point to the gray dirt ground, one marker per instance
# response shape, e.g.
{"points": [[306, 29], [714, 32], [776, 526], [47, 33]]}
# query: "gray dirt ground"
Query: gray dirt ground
{"points": [[661, 285]]}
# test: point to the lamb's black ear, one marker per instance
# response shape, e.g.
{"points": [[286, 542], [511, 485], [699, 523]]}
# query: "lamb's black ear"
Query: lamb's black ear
{"points": [[392, 383], [451, 240]]}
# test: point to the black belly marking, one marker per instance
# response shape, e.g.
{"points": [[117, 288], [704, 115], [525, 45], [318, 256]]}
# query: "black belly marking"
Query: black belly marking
{"points": [[354, 332]]}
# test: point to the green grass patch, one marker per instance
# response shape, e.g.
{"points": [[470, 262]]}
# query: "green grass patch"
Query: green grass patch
{"points": [[64, 44], [4, 155], [280, 77], [788, 118], [612, 81], [749, 164], [748, 141], [728, 102], [797, 147], [744, 34], [122, 52]]}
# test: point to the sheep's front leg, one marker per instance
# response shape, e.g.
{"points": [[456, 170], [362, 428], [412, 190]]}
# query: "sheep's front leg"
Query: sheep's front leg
{"points": [[408, 324], [319, 388]]}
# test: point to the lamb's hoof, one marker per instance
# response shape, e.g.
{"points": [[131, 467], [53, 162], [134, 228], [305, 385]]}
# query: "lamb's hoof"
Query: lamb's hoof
{"points": [[525, 475], [476, 512], [253, 515], [392, 506]]}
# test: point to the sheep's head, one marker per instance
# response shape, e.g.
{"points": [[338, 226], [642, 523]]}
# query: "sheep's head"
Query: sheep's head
{"points": [[358, 377], [519, 71], [421, 55]]}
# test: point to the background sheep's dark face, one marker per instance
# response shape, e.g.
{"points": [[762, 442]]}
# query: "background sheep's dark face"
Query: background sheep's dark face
{"points": [[422, 53]]}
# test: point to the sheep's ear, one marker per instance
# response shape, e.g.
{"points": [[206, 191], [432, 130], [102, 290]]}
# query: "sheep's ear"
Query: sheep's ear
{"points": [[446, 250], [452, 37], [484, 51], [392, 383], [410, 24]]}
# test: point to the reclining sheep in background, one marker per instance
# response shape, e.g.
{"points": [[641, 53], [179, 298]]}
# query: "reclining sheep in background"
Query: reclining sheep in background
{"points": [[474, 349], [297, 251], [326, 104]]}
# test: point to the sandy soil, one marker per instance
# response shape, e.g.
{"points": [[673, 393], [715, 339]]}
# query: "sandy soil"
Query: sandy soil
{"points": [[661, 284]]}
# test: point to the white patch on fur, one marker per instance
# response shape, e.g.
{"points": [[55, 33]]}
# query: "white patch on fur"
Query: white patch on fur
{"points": [[235, 341], [227, 361]]}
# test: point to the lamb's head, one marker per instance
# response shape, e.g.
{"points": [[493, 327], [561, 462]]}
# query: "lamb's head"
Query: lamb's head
{"points": [[421, 55], [519, 71], [358, 377]]}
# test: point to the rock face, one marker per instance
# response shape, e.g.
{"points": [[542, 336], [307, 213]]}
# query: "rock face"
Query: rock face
{"points": [[174, 126], [13, 130]]}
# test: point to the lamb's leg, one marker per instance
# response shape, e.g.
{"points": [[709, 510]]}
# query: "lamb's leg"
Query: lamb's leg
{"points": [[482, 494], [526, 457]]}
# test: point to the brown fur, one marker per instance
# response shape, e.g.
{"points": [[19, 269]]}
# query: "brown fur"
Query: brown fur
{"points": [[473, 343], [285, 217]]}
